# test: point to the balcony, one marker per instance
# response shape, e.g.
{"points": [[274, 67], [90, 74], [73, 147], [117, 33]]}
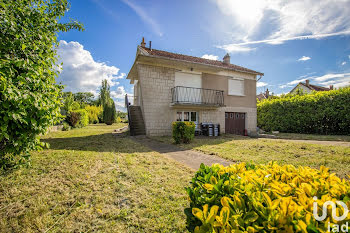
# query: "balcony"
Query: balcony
{"points": [[190, 96]]}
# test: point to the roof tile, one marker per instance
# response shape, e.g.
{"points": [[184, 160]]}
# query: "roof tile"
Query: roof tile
{"points": [[160, 53]]}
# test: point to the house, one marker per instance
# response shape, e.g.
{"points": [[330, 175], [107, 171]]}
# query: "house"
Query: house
{"points": [[263, 95], [308, 88], [172, 87]]}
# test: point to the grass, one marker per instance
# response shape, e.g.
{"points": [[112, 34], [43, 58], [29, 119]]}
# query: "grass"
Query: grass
{"points": [[245, 149], [90, 180], [297, 136]]}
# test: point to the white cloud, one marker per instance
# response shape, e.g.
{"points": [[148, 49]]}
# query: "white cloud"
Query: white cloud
{"points": [[304, 58], [120, 105], [232, 48], [343, 63], [119, 93], [80, 72], [210, 57], [261, 84], [144, 16], [276, 21]]}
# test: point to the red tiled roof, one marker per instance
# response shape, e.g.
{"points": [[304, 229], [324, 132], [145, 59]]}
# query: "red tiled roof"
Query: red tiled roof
{"points": [[315, 87], [176, 56]]}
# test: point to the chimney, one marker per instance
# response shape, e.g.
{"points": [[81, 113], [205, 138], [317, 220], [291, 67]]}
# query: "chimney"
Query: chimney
{"points": [[307, 82], [227, 59], [150, 45], [143, 44], [331, 87]]}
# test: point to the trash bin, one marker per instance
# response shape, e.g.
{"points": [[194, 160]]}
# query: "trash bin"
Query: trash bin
{"points": [[211, 130], [204, 129], [216, 130]]}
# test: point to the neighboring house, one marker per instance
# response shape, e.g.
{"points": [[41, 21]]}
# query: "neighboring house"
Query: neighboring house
{"points": [[308, 88], [263, 95], [172, 87]]}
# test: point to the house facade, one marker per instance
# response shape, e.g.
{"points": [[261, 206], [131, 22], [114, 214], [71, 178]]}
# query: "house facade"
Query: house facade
{"points": [[308, 88], [172, 87]]}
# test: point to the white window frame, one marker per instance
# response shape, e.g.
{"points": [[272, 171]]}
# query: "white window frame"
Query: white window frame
{"points": [[189, 111], [228, 86]]}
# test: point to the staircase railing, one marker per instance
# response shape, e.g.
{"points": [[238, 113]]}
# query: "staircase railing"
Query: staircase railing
{"points": [[127, 105]]}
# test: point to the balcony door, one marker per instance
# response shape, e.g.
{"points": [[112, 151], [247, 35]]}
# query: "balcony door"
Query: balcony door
{"points": [[192, 83]]}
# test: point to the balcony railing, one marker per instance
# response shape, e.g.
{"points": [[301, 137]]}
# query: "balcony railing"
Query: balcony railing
{"points": [[197, 96]]}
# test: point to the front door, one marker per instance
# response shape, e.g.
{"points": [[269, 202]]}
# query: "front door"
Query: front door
{"points": [[235, 123]]}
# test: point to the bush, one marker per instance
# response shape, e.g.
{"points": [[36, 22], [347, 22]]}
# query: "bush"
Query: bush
{"points": [[78, 118], [73, 119], [321, 112], [262, 198], [83, 117], [29, 94], [94, 112], [183, 131], [66, 127], [109, 112]]}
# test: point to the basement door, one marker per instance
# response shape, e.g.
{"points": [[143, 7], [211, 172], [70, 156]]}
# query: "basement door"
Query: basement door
{"points": [[235, 123]]}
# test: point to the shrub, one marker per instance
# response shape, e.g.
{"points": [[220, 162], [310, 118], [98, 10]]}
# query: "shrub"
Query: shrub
{"points": [[73, 119], [109, 112], [183, 131], [321, 112], [66, 127], [94, 112], [78, 118], [262, 198], [83, 117], [119, 119]]}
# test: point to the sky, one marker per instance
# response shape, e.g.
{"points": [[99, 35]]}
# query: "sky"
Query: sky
{"points": [[288, 41]]}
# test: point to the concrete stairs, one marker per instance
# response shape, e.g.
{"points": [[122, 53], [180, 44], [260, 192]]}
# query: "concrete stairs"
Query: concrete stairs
{"points": [[137, 125]]}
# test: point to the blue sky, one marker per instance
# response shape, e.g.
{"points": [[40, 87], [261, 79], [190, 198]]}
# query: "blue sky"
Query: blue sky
{"points": [[289, 41]]}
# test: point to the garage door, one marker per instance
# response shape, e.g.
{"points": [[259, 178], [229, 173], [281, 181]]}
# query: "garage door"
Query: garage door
{"points": [[235, 123]]}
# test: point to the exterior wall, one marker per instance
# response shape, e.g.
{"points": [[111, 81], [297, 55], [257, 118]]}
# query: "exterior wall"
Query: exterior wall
{"points": [[219, 82], [156, 83], [218, 117], [155, 93], [302, 87]]}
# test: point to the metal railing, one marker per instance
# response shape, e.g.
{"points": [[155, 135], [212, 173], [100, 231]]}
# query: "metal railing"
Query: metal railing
{"points": [[197, 96], [127, 105]]}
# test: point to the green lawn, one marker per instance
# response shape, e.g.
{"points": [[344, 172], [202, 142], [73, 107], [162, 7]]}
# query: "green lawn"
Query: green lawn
{"points": [[91, 181], [298, 136], [245, 149]]}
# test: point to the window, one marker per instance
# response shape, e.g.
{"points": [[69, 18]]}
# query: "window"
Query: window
{"points": [[194, 116], [236, 87], [179, 116], [187, 116]]}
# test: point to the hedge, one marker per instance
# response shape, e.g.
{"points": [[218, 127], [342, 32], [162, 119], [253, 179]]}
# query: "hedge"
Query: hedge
{"points": [[321, 112], [263, 198]]}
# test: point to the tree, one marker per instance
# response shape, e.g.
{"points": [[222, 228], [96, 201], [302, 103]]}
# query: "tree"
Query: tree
{"points": [[29, 96], [105, 93], [109, 112], [84, 98]]}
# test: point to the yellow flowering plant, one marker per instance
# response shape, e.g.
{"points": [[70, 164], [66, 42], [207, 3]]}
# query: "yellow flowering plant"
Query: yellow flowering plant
{"points": [[264, 198]]}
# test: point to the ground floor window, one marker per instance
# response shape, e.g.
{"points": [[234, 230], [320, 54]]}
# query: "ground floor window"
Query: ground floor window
{"points": [[187, 116]]}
